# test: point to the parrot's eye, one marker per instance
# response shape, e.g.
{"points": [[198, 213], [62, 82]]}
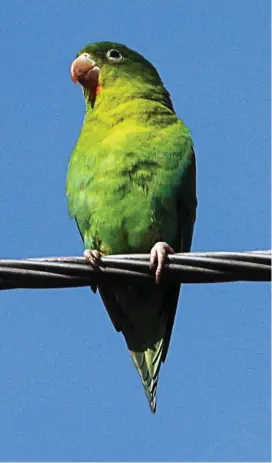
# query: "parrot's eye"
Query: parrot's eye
{"points": [[114, 56]]}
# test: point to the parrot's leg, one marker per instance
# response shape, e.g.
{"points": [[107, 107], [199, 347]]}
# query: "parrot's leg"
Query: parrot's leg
{"points": [[93, 256], [158, 255]]}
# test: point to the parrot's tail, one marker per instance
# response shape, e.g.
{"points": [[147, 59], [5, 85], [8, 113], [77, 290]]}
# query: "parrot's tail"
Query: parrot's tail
{"points": [[148, 366], [145, 315]]}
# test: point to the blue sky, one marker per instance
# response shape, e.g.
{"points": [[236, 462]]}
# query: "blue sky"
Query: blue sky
{"points": [[68, 389]]}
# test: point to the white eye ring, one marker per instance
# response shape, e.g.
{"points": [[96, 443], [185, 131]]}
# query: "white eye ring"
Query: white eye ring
{"points": [[114, 56]]}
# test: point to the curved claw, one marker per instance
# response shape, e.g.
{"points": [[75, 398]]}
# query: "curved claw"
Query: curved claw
{"points": [[158, 255], [93, 256]]}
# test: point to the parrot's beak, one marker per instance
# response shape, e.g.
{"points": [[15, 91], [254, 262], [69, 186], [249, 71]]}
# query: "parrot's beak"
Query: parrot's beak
{"points": [[85, 71]]}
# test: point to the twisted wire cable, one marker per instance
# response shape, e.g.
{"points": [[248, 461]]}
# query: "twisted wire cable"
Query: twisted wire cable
{"points": [[194, 267]]}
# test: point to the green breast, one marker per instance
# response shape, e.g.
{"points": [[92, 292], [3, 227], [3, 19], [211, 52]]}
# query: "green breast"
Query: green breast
{"points": [[124, 175]]}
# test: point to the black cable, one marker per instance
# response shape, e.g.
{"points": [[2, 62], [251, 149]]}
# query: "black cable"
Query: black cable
{"points": [[198, 267]]}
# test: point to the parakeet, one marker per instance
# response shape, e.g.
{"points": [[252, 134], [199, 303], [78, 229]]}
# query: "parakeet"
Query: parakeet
{"points": [[131, 189]]}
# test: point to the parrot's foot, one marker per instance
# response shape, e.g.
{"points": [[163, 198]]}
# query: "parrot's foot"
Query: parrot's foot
{"points": [[158, 255], [93, 257]]}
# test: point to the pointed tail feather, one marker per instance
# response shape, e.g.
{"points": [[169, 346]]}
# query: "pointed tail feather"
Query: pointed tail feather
{"points": [[145, 316], [148, 366]]}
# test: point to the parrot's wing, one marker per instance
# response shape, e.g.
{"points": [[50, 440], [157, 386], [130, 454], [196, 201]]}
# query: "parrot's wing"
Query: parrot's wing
{"points": [[186, 205], [173, 289], [92, 285]]}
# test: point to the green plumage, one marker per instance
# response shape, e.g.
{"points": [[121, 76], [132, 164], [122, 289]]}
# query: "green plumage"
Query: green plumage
{"points": [[131, 183]]}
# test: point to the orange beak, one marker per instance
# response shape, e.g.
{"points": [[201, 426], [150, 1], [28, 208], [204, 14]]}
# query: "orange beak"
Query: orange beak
{"points": [[85, 71]]}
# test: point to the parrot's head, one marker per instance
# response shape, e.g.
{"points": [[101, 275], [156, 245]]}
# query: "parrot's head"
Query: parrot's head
{"points": [[111, 66]]}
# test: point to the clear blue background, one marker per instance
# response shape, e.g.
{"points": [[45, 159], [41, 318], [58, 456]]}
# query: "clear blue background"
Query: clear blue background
{"points": [[68, 389]]}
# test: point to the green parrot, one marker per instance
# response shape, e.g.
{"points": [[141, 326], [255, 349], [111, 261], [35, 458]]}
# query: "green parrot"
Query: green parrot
{"points": [[131, 189]]}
